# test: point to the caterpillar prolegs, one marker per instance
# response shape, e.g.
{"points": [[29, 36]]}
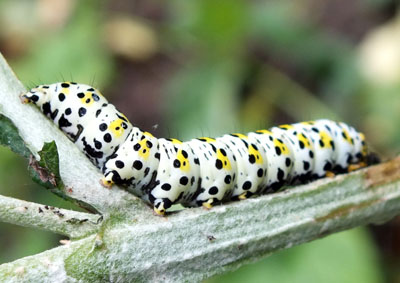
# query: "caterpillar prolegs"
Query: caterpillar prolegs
{"points": [[203, 171]]}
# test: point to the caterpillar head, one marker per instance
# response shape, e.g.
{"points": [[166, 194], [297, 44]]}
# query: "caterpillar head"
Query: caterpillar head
{"points": [[39, 95], [58, 92]]}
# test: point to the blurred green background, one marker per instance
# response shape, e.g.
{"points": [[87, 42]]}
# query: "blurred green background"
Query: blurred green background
{"points": [[205, 67]]}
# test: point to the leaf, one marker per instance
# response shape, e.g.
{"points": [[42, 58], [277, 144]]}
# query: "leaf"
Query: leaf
{"points": [[49, 159], [9, 137], [46, 171]]}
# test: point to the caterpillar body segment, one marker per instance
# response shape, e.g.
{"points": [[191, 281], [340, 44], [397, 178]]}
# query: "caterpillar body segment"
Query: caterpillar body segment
{"points": [[217, 172], [277, 158], [177, 175], [134, 164], [297, 141], [323, 146], [250, 165], [203, 171]]}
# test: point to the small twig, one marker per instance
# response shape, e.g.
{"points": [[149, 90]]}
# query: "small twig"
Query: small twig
{"points": [[61, 221]]}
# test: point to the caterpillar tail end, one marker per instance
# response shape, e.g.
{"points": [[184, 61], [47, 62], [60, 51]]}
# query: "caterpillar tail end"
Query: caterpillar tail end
{"points": [[372, 159]]}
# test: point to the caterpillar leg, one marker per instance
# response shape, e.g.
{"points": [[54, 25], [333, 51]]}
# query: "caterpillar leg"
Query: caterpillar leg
{"points": [[330, 174], [354, 167], [208, 204], [245, 195], [107, 181], [161, 206], [159, 210]]}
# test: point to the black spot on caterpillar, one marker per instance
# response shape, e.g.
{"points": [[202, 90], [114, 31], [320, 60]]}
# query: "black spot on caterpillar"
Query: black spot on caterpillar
{"points": [[234, 166]]}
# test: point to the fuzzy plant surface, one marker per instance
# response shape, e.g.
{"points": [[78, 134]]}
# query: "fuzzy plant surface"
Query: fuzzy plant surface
{"points": [[121, 240]]}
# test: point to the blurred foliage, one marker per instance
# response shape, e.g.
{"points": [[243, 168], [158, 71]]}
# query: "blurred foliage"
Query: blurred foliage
{"points": [[212, 67], [72, 52], [345, 257]]}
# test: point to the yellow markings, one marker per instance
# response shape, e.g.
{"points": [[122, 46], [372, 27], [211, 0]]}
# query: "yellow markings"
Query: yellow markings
{"points": [[304, 139], [210, 140], [65, 90], [185, 165], [308, 123], [87, 100], [283, 147], [144, 151], [256, 153], [226, 164], [144, 133], [346, 136], [175, 141], [264, 132], [241, 136], [286, 127], [364, 149], [326, 139], [116, 127]]}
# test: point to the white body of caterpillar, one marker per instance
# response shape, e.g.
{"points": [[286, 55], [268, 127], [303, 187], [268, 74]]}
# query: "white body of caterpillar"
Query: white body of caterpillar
{"points": [[203, 171]]}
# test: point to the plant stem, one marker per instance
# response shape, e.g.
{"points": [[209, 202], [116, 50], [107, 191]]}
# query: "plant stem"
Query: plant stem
{"points": [[194, 244], [61, 221]]}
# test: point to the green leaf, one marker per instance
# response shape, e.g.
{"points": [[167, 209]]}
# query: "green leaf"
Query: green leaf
{"points": [[49, 159], [9, 136], [46, 171]]}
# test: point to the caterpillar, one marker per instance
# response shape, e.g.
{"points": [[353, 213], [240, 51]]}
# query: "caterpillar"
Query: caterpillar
{"points": [[202, 171]]}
